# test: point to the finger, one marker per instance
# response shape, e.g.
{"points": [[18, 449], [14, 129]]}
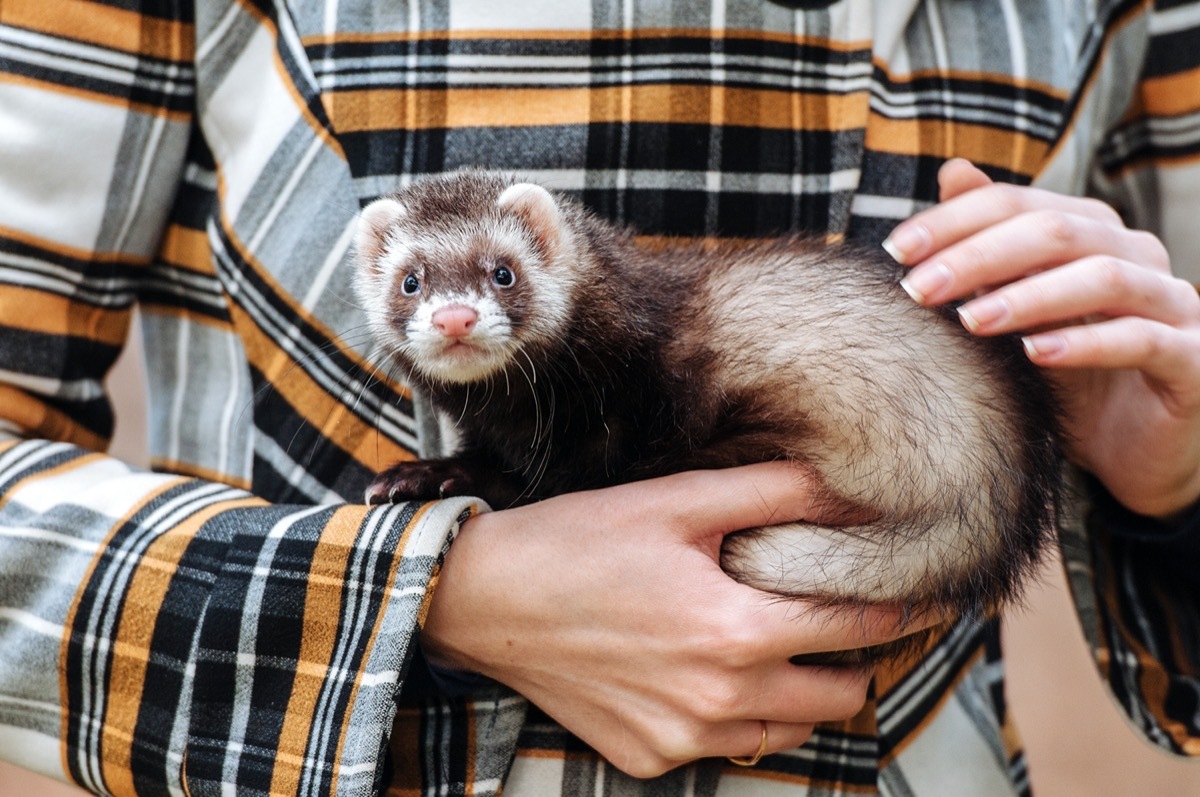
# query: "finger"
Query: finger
{"points": [[957, 176], [783, 736], [717, 502], [667, 749], [1023, 244], [787, 698], [1163, 353], [780, 691], [963, 216], [1096, 285], [739, 739], [786, 692], [768, 628], [780, 736]]}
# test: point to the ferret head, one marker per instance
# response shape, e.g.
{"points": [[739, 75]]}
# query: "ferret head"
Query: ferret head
{"points": [[460, 273]]}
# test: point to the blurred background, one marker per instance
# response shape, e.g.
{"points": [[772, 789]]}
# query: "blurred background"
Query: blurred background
{"points": [[1077, 741]]}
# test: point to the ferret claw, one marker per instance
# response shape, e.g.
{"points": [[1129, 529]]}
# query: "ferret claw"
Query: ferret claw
{"points": [[420, 481]]}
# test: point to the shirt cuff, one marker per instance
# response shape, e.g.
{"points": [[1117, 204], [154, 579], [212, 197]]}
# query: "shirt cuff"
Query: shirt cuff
{"points": [[1181, 533], [426, 681]]}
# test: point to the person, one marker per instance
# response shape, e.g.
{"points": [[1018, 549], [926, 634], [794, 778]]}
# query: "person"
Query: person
{"points": [[235, 620]]}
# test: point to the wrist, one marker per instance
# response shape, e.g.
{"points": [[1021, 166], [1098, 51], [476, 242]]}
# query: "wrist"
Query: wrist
{"points": [[466, 602], [437, 628], [1144, 489]]}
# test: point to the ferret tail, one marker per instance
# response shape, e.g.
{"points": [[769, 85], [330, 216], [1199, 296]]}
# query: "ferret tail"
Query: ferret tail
{"points": [[915, 564]]}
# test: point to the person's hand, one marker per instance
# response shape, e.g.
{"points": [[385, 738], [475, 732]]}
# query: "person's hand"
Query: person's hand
{"points": [[1099, 308], [609, 611]]}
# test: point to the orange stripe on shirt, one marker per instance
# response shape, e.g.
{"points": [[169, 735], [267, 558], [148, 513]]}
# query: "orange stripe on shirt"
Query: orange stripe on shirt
{"points": [[1171, 95], [37, 311], [944, 138], [36, 418], [187, 248], [418, 109]]}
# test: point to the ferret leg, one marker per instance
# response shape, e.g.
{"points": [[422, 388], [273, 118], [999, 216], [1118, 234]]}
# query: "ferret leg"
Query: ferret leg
{"points": [[422, 480], [471, 473]]}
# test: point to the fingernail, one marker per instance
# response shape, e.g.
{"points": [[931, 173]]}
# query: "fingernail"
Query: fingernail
{"points": [[907, 242], [924, 282], [981, 313], [1045, 347]]}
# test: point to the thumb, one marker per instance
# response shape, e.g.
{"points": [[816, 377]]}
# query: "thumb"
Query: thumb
{"points": [[714, 503], [958, 176]]}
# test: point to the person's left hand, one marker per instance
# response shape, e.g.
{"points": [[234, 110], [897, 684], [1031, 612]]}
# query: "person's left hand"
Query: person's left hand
{"points": [[1099, 308]]}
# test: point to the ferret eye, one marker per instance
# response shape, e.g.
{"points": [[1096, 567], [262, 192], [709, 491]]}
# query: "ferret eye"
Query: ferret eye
{"points": [[503, 277], [410, 285]]}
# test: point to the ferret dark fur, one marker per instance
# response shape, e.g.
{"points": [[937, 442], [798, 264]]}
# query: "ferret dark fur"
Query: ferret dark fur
{"points": [[570, 357]]}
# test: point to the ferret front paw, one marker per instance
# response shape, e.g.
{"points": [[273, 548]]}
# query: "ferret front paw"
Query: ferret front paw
{"points": [[423, 480]]}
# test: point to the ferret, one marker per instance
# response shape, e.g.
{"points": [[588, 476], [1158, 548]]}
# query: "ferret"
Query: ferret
{"points": [[572, 356]]}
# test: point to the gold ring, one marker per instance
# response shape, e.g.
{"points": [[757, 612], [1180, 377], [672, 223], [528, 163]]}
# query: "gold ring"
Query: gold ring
{"points": [[754, 759]]}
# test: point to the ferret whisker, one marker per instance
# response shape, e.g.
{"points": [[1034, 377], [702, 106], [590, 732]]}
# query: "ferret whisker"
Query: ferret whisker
{"points": [[537, 405], [465, 405]]}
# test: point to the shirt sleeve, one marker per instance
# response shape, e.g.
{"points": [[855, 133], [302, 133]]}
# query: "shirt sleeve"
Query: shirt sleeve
{"points": [[159, 633], [1135, 581]]}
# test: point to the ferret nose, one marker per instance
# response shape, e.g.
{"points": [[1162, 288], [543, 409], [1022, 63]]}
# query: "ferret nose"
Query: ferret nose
{"points": [[455, 321]]}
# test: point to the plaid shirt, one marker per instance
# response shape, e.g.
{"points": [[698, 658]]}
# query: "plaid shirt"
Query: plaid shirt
{"points": [[233, 620]]}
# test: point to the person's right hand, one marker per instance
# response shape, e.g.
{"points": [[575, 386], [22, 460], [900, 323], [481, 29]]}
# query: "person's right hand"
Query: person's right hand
{"points": [[1100, 310], [609, 611]]}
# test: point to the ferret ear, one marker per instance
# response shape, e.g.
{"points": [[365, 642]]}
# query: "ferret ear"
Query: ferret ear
{"points": [[534, 205], [373, 224]]}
